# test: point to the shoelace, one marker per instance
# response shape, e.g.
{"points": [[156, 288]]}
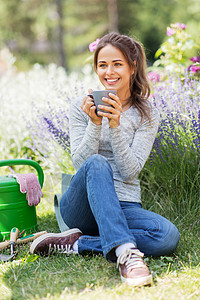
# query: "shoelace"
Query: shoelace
{"points": [[60, 248], [132, 258]]}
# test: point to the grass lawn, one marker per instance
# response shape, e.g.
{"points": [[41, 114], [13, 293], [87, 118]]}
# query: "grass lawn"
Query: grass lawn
{"points": [[92, 277]]}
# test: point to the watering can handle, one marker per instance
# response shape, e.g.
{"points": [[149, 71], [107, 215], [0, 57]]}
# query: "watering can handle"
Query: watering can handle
{"points": [[34, 164]]}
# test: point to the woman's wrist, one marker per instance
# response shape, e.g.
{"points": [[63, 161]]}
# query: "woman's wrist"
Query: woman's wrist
{"points": [[114, 126], [96, 122]]}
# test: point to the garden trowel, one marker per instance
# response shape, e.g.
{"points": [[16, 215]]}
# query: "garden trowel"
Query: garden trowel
{"points": [[13, 237]]}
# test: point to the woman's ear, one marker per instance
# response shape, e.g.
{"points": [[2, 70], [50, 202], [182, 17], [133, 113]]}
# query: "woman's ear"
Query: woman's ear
{"points": [[133, 68]]}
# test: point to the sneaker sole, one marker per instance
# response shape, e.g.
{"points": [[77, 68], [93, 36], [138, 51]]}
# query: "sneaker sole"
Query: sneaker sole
{"points": [[147, 280], [47, 235]]}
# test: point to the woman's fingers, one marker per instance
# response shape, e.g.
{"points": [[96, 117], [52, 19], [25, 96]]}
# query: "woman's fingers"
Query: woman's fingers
{"points": [[86, 104], [89, 108], [114, 104], [115, 97], [112, 112]]}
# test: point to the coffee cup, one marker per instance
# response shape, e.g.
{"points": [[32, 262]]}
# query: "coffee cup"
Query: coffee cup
{"points": [[98, 95]]}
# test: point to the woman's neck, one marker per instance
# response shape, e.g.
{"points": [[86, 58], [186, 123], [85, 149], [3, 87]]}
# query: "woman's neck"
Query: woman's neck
{"points": [[126, 104], [125, 98]]}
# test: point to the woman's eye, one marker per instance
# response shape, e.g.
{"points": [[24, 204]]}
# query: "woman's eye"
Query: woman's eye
{"points": [[102, 66], [117, 64]]}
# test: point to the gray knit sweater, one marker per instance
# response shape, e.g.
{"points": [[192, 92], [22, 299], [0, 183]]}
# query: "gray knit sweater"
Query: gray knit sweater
{"points": [[126, 147]]}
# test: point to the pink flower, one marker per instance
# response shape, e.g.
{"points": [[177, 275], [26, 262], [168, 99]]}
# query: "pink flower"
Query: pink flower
{"points": [[181, 25], [93, 45], [194, 69], [195, 59], [153, 76], [170, 31]]}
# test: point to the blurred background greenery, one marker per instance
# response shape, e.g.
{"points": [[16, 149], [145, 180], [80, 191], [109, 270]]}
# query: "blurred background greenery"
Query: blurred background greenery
{"points": [[59, 31]]}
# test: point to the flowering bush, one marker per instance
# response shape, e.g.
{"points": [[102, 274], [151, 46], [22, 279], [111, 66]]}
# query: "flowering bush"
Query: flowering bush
{"points": [[17, 92], [49, 137], [179, 130], [40, 87], [174, 53], [173, 169], [49, 127]]}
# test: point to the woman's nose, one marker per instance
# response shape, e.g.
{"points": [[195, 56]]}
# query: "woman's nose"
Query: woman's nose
{"points": [[110, 70]]}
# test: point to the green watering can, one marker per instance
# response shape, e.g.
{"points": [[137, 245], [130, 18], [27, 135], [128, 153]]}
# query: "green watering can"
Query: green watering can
{"points": [[14, 208]]}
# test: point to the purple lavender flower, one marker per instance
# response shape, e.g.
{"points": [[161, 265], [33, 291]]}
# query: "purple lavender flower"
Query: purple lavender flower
{"points": [[61, 136], [48, 129], [179, 130]]}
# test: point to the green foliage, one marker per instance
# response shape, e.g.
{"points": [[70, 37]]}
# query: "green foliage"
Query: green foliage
{"points": [[171, 187], [25, 28], [31, 29]]}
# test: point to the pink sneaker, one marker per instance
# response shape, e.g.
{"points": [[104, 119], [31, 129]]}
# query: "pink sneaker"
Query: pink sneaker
{"points": [[132, 268], [62, 242]]}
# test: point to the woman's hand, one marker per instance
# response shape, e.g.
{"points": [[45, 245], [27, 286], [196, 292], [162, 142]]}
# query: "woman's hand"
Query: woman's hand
{"points": [[112, 113], [89, 108]]}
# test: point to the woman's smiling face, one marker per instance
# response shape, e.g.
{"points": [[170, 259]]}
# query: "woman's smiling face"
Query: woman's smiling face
{"points": [[114, 71]]}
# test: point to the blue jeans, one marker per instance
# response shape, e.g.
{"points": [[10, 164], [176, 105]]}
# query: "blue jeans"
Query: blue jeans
{"points": [[91, 204]]}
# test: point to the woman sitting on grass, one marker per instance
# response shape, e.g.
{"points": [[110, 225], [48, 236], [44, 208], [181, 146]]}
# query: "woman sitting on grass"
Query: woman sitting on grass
{"points": [[102, 205]]}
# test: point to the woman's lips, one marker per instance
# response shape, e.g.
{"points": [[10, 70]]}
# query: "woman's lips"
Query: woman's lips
{"points": [[112, 81]]}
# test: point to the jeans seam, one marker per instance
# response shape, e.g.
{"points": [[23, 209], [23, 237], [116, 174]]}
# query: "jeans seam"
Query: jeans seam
{"points": [[152, 232], [99, 219]]}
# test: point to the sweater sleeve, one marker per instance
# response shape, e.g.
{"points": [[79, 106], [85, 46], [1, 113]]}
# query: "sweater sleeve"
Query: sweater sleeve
{"points": [[130, 159], [84, 135]]}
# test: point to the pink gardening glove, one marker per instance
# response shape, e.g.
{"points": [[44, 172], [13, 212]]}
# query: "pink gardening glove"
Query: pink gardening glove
{"points": [[29, 184]]}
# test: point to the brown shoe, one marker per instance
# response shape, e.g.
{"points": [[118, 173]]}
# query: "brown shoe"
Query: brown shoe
{"points": [[132, 268], [55, 242]]}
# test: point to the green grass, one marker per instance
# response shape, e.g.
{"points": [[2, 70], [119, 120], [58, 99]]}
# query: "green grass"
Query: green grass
{"points": [[92, 277]]}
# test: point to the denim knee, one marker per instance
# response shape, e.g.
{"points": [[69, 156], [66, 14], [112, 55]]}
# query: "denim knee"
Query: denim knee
{"points": [[169, 242], [98, 162], [173, 239], [163, 240], [97, 158]]}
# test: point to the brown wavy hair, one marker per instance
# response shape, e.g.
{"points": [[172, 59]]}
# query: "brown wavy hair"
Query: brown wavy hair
{"points": [[134, 53]]}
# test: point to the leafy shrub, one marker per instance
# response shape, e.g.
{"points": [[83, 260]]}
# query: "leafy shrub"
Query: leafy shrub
{"points": [[24, 94], [173, 167], [49, 126]]}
